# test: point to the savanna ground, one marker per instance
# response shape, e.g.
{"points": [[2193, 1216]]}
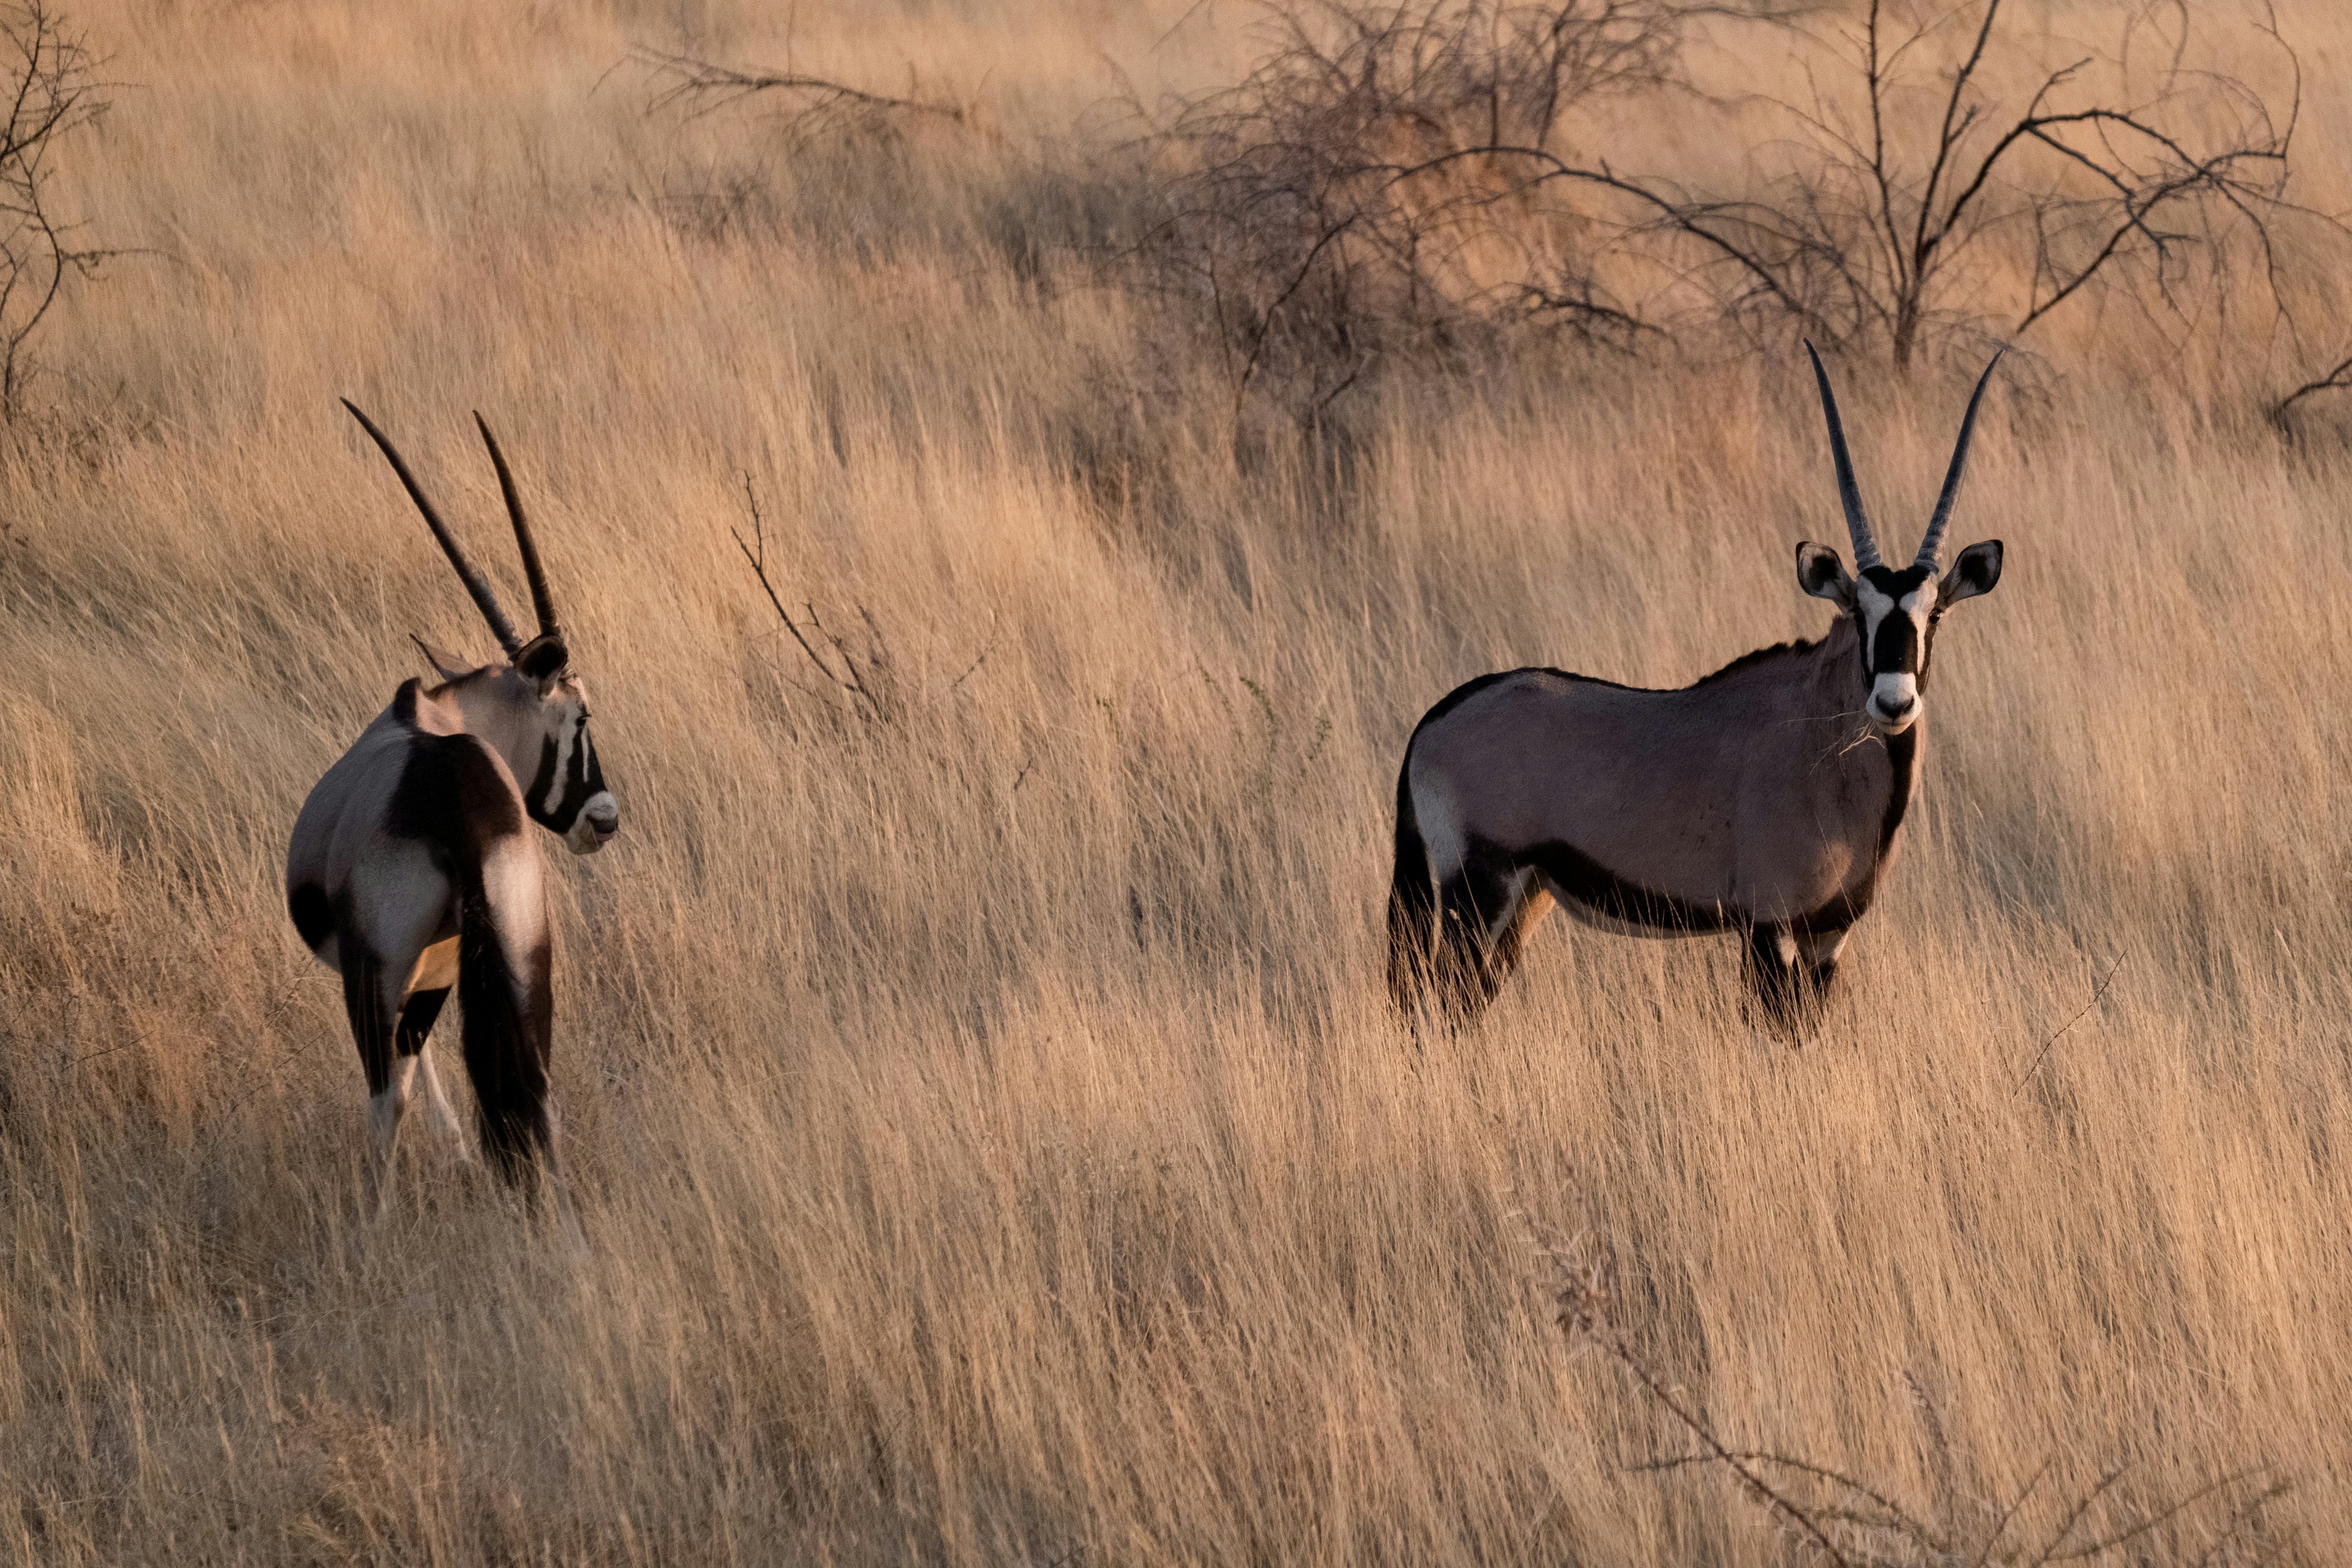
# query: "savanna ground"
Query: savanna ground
{"points": [[991, 1134]]}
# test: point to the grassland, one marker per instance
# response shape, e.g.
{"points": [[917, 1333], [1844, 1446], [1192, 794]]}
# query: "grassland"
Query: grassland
{"points": [[990, 1136]]}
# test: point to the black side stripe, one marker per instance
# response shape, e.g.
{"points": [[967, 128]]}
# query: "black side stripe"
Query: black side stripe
{"points": [[1595, 885], [583, 777]]}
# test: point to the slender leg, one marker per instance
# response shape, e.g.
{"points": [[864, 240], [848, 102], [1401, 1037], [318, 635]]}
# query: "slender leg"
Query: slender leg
{"points": [[1770, 966], [1790, 974], [370, 1006], [1817, 951], [1478, 932], [445, 1117], [1532, 901], [415, 1049]]}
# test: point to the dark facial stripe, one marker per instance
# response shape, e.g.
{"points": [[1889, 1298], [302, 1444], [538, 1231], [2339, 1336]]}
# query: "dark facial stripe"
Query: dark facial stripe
{"points": [[584, 778], [1897, 646]]}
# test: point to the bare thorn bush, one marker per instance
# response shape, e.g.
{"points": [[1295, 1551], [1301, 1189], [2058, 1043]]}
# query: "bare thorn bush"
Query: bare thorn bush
{"points": [[1978, 194], [1415, 184], [1854, 1523], [1354, 199]]}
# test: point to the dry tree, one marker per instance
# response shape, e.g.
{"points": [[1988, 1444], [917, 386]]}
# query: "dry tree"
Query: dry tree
{"points": [[1418, 181], [1357, 196], [50, 75], [1915, 199]]}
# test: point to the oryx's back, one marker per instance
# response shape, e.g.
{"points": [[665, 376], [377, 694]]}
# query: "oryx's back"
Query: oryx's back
{"points": [[1517, 753]]}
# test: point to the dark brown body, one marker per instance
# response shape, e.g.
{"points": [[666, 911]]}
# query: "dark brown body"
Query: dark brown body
{"points": [[1759, 799]]}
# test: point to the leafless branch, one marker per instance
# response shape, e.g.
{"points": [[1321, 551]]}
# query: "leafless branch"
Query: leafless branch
{"points": [[1852, 1522], [1328, 214], [2337, 377], [868, 687], [2100, 991], [701, 87], [1583, 1302], [1408, 184]]}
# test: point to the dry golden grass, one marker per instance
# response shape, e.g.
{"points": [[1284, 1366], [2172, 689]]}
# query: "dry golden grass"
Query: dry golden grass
{"points": [[991, 1140]]}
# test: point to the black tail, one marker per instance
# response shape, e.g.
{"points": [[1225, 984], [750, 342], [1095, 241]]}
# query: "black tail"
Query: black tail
{"points": [[1413, 902], [508, 1018]]}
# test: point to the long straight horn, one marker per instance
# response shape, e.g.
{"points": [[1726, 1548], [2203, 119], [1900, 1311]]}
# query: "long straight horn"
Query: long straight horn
{"points": [[542, 604], [476, 584], [1857, 522], [1933, 545]]}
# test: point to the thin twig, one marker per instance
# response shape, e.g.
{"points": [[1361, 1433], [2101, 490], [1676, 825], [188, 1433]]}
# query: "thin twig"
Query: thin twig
{"points": [[1583, 1304], [2070, 1023], [755, 552], [712, 86]]}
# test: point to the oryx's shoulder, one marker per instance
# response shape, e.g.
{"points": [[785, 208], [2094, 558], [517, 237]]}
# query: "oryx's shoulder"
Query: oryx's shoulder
{"points": [[453, 789]]}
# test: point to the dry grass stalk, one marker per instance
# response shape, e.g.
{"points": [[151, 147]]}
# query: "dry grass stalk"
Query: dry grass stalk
{"points": [[990, 1125]]}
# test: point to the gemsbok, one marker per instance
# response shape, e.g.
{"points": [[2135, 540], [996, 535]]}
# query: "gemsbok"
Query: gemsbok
{"points": [[414, 868], [1766, 799]]}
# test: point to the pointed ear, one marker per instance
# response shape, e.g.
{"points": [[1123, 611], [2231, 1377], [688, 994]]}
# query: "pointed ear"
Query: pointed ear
{"points": [[1976, 571], [449, 666], [1821, 573], [543, 657]]}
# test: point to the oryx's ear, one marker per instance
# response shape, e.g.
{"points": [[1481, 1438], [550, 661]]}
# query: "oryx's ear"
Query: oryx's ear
{"points": [[449, 666], [1821, 573], [1975, 572], [543, 657]]}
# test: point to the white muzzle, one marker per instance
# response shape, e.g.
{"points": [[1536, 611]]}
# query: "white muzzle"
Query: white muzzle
{"points": [[1895, 704]]}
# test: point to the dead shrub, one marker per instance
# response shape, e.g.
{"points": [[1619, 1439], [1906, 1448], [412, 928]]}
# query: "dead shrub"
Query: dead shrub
{"points": [[1422, 183]]}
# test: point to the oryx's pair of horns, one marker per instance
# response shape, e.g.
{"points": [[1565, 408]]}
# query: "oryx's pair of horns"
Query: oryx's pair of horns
{"points": [[551, 635], [1857, 522]]}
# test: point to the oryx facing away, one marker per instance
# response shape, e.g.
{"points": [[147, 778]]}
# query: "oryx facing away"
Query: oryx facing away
{"points": [[414, 867], [1765, 799]]}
